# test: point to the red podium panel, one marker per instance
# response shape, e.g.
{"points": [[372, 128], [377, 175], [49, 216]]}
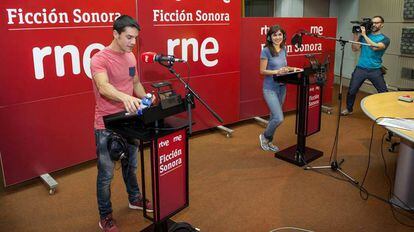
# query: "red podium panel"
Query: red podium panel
{"points": [[313, 122], [171, 160]]}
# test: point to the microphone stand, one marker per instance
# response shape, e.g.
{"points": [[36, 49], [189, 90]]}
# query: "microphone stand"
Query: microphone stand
{"points": [[189, 96], [334, 164]]}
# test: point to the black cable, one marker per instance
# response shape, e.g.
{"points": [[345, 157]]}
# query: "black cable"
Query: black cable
{"points": [[335, 144], [188, 73], [361, 188], [368, 194], [390, 194]]}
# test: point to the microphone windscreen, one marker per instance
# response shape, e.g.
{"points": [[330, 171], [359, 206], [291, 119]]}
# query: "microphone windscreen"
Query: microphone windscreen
{"points": [[148, 57], [297, 40]]}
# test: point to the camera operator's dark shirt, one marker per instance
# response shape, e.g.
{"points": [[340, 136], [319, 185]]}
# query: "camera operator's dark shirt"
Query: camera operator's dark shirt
{"points": [[369, 58]]}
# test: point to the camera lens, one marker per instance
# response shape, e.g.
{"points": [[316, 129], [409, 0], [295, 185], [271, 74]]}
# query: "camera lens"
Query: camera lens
{"points": [[356, 29]]}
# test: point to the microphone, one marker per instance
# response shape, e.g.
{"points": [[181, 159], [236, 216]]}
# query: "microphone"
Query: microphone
{"points": [[297, 38], [151, 57]]}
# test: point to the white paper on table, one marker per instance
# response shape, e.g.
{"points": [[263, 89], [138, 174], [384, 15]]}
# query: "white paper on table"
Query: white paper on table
{"points": [[401, 123]]}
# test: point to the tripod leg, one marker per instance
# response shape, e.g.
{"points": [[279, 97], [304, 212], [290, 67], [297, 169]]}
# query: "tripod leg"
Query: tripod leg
{"points": [[348, 176], [319, 167]]}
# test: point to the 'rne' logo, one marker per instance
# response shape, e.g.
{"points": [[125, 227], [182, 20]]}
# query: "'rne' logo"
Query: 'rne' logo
{"points": [[39, 54], [207, 52]]}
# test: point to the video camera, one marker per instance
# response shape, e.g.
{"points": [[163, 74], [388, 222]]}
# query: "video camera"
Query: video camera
{"points": [[365, 22]]}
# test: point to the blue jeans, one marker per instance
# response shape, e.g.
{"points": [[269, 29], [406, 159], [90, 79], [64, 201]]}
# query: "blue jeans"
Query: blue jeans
{"points": [[274, 98], [106, 172], [358, 77]]}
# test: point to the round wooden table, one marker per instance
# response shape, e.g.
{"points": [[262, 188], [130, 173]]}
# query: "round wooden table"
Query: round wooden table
{"points": [[388, 105]]}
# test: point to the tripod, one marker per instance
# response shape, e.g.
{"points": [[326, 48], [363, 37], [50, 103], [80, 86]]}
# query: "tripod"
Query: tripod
{"points": [[334, 164]]}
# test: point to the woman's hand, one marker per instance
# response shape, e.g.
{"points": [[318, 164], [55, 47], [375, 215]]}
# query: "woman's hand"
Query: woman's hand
{"points": [[283, 70], [295, 69]]}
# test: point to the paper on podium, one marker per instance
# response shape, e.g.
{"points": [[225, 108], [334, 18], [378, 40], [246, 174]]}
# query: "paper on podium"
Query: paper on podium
{"points": [[400, 123], [294, 71]]}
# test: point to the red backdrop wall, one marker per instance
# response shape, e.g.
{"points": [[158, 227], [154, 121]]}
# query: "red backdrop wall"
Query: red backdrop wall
{"points": [[47, 104], [213, 28]]}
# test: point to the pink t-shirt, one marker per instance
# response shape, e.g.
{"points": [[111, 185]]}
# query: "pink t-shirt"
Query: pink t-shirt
{"points": [[121, 69]]}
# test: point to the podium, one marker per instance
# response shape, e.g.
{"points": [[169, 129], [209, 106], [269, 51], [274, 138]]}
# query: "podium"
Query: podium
{"points": [[308, 116], [167, 138]]}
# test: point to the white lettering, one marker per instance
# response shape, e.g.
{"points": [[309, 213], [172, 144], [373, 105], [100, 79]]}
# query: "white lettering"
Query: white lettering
{"points": [[38, 55], [176, 16], [94, 17], [164, 143], [212, 17], [314, 97], [177, 138], [194, 43], [264, 30], [59, 62], [87, 57], [170, 166], [204, 51], [170, 156], [36, 17], [11, 14], [316, 30], [309, 48]]}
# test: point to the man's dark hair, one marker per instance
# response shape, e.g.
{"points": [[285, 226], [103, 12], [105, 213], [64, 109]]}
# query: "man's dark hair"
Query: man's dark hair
{"points": [[380, 17], [125, 21]]}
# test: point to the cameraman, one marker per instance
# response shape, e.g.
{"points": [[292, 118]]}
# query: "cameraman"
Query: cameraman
{"points": [[370, 61]]}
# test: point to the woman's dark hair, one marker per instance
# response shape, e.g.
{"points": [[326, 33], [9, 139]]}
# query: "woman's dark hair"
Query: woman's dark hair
{"points": [[124, 21], [269, 42]]}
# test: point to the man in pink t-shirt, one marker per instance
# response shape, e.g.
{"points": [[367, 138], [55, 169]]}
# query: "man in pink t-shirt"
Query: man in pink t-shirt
{"points": [[115, 82]]}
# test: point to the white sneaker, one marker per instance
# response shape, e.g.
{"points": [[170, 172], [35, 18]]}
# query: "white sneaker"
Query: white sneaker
{"points": [[346, 112], [273, 147], [264, 143]]}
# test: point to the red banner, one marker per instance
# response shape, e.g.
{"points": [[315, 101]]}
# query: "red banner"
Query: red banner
{"points": [[172, 165], [253, 31], [46, 104], [207, 35]]}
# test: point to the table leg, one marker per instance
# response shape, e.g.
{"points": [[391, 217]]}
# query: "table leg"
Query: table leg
{"points": [[404, 176]]}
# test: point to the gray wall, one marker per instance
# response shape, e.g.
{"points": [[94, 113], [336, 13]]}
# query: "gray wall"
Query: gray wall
{"points": [[392, 11], [344, 11], [316, 8], [259, 8], [291, 8]]}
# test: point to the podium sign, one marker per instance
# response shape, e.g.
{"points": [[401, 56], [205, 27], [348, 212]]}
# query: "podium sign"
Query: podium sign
{"points": [[171, 177], [314, 109]]}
